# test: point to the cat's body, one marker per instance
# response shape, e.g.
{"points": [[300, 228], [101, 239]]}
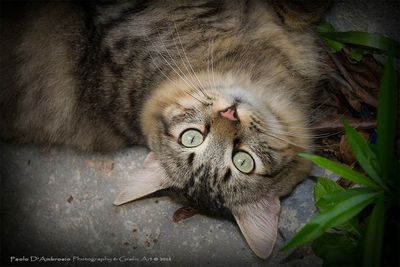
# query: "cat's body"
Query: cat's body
{"points": [[101, 77], [82, 80]]}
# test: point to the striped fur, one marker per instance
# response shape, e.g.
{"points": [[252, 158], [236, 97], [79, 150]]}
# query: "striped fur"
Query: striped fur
{"points": [[105, 75]]}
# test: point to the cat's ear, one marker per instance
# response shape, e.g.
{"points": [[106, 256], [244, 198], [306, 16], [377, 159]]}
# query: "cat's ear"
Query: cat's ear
{"points": [[259, 224], [148, 180]]}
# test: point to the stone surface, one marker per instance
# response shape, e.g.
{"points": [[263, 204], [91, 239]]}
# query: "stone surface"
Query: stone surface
{"points": [[58, 202], [369, 16]]}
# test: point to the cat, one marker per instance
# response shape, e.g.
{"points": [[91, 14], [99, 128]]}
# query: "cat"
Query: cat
{"points": [[219, 91]]}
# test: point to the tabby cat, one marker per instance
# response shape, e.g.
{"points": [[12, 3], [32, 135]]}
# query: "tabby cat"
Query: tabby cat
{"points": [[219, 91]]}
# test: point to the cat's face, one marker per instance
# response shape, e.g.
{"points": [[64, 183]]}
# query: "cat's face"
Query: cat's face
{"points": [[220, 145], [215, 146], [225, 149]]}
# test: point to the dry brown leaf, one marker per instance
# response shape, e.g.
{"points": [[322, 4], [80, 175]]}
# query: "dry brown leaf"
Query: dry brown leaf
{"points": [[345, 148], [184, 213]]}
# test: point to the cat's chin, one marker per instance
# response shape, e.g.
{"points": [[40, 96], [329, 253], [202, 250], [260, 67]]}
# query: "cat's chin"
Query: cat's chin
{"points": [[257, 220]]}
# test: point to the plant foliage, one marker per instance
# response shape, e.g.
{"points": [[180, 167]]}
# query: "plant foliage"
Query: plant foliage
{"points": [[359, 225]]}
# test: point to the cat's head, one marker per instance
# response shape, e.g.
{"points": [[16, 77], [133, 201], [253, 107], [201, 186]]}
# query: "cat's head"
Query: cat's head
{"points": [[226, 147]]}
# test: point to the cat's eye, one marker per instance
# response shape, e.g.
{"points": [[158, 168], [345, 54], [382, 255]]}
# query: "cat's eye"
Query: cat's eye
{"points": [[243, 161], [191, 138]]}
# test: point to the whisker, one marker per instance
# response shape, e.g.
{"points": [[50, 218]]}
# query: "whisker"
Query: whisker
{"points": [[150, 53], [187, 59], [158, 67], [212, 63], [187, 69], [202, 102], [208, 64], [314, 136], [317, 108], [294, 144], [284, 140], [172, 59], [172, 68]]}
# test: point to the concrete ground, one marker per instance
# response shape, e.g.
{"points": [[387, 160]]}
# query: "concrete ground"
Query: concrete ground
{"points": [[56, 204]]}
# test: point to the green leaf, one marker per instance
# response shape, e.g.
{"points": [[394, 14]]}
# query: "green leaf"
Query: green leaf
{"points": [[335, 249], [333, 198], [387, 120], [351, 226], [333, 45], [341, 170], [325, 26], [374, 148], [332, 217], [371, 40], [364, 154], [325, 186], [374, 236], [357, 54]]}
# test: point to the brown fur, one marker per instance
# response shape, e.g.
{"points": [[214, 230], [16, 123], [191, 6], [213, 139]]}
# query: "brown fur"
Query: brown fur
{"points": [[52, 72], [101, 76], [101, 82], [104, 76]]}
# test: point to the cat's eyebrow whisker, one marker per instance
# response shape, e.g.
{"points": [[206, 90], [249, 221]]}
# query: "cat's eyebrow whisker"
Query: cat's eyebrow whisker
{"points": [[150, 53], [212, 61], [208, 65], [174, 82], [211, 82], [172, 68], [201, 88], [189, 80], [183, 62], [158, 67], [202, 102]]}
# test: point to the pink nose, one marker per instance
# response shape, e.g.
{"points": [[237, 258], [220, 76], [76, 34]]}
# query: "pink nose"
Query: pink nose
{"points": [[230, 113]]}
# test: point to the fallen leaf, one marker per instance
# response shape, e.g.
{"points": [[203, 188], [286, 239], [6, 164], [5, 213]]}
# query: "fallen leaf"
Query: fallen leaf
{"points": [[184, 213], [332, 123], [345, 148]]}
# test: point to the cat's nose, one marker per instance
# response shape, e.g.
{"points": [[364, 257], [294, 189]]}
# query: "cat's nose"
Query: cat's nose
{"points": [[230, 113]]}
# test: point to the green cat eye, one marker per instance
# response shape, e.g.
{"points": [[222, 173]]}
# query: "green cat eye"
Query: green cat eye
{"points": [[192, 138], [243, 162]]}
